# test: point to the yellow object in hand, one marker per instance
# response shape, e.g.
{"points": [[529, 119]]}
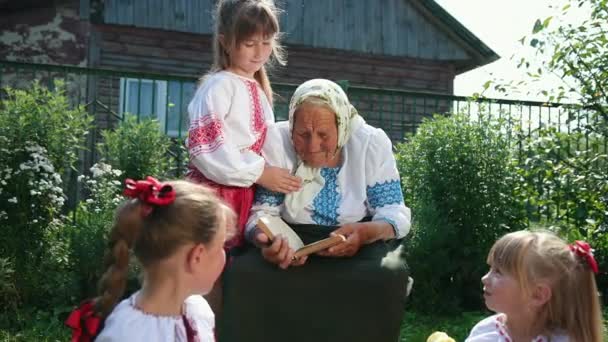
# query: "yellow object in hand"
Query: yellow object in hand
{"points": [[439, 336]]}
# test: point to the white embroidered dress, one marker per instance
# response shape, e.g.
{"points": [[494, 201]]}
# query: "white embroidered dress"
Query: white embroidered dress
{"points": [[229, 115], [493, 329], [367, 183], [128, 323]]}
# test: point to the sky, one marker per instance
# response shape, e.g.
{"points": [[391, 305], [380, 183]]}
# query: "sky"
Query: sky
{"points": [[500, 25]]}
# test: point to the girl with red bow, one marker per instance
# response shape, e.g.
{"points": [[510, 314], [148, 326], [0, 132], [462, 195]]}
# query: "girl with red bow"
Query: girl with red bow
{"points": [[176, 230], [542, 289]]}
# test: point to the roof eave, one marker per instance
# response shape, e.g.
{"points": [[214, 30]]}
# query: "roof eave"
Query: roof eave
{"points": [[480, 53]]}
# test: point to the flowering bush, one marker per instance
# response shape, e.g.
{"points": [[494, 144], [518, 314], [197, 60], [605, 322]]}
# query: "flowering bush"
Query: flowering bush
{"points": [[92, 220], [33, 197], [40, 139]]}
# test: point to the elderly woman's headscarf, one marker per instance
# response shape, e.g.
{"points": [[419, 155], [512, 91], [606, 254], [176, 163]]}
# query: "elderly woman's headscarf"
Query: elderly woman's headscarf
{"points": [[347, 118]]}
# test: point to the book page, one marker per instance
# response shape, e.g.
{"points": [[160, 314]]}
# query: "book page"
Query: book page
{"points": [[278, 227]]}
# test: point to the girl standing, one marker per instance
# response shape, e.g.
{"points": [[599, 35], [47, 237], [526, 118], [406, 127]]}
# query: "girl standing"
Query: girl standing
{"points": [[232, 107]]}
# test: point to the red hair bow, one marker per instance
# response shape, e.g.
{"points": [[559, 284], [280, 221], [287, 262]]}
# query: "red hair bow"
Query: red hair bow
{"points": [[583, 250], [150, 192], [84, 322]]}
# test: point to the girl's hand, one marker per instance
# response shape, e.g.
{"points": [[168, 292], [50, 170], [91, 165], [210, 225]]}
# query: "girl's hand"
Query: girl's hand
{"points": [[279, 180]]}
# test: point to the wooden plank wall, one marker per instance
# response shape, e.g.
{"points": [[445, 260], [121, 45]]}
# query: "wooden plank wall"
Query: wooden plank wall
{"points": [[386, 27], [186, 54]]}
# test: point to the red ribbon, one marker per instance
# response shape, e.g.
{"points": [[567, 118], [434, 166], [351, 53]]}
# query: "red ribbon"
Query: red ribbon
{"points": [[84, 322], [583, 250], [150, 192]]}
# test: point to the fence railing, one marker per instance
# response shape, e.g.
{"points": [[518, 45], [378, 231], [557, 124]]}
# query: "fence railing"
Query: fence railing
{"points": [[110, 94]]}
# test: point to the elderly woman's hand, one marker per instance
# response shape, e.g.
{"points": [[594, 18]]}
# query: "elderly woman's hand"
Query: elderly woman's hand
{"points": [[279, 180], [357, 235], [354, 240], [278, 252]]}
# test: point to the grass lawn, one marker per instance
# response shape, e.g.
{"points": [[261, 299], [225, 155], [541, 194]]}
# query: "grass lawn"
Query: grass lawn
{"points": [[415, 328]]}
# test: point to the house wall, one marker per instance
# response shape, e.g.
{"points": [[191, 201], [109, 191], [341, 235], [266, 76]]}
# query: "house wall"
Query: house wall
{"points": [[128, 48], [387, 27], [186, 54], [53, 34]]}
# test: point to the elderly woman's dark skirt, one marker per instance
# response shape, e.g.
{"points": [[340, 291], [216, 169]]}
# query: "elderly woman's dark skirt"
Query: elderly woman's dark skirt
{"points": [[327, 299]]}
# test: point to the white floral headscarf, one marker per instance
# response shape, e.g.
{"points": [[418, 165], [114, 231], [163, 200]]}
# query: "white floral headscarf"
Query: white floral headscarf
{"points": [[347, 119]]}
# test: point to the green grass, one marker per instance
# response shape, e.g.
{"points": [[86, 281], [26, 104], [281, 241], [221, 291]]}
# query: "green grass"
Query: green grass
{"points": [[417, 327], [30, 325]]}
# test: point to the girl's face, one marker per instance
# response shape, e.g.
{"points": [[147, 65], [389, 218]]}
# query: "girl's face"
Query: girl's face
{"points": [[501, 291], [214, 261], [250, 55]]}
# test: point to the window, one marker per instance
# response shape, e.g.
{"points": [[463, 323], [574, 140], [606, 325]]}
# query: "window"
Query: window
{"points": [[165, 101]]}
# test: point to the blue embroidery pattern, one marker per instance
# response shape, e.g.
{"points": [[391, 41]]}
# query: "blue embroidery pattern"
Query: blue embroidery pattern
{"points": [[265, 196], [328, 200], [384, 193]]}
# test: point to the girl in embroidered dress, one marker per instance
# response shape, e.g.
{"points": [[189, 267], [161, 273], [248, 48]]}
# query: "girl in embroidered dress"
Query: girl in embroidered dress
{"points": [[232, 107], [177, 231], [541, 289]]}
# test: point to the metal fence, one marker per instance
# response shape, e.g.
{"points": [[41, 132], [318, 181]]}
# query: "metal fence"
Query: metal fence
{"points": [[110, 95]]}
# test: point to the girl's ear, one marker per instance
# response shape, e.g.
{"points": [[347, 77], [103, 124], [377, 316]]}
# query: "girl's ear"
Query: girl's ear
{"points": [[222, 40], [195, 257], [541, 294]]}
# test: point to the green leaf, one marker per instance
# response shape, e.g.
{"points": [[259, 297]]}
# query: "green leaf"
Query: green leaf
{"points": [[546, 22], [538, 26], [533, 43]]}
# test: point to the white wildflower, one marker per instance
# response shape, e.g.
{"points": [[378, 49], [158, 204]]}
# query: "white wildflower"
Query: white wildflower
{"points": [[13, 200]]}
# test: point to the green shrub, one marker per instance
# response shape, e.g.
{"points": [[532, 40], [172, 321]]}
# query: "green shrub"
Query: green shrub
{"points": [[40, 140], [458, 178], [92, 220], [566, 185], [139, 149], [38, 116]]}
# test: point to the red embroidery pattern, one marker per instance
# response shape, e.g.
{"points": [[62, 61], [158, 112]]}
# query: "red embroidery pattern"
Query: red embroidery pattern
{"points": [[205, 135], [502, 330], [258, 124]]}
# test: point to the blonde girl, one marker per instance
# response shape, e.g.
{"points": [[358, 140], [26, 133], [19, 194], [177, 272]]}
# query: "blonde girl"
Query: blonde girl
{"points": [[542, 289]]}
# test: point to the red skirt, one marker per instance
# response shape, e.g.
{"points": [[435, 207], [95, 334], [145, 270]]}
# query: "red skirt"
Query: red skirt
{"points": [[238, 198]]}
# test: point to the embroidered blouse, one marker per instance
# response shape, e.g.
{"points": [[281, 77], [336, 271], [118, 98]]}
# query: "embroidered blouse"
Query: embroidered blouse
{"points": [[129, 323], [366, 184], [229, 115], [493, 329]]}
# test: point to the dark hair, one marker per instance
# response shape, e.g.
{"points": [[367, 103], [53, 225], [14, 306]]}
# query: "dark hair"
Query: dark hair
{"points": [[236, 21], [194, 216]]}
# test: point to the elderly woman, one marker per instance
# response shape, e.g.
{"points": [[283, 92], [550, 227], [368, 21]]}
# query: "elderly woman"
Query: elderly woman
{"points": [[353, 291]]}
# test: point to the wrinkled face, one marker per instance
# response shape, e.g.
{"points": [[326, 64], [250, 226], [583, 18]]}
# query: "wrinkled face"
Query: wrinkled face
{"points": [[502, 292], [315, 135], [250, 55]]}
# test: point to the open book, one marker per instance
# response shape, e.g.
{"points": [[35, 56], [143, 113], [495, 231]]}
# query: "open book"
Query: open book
{"points": [[272, 226]]}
